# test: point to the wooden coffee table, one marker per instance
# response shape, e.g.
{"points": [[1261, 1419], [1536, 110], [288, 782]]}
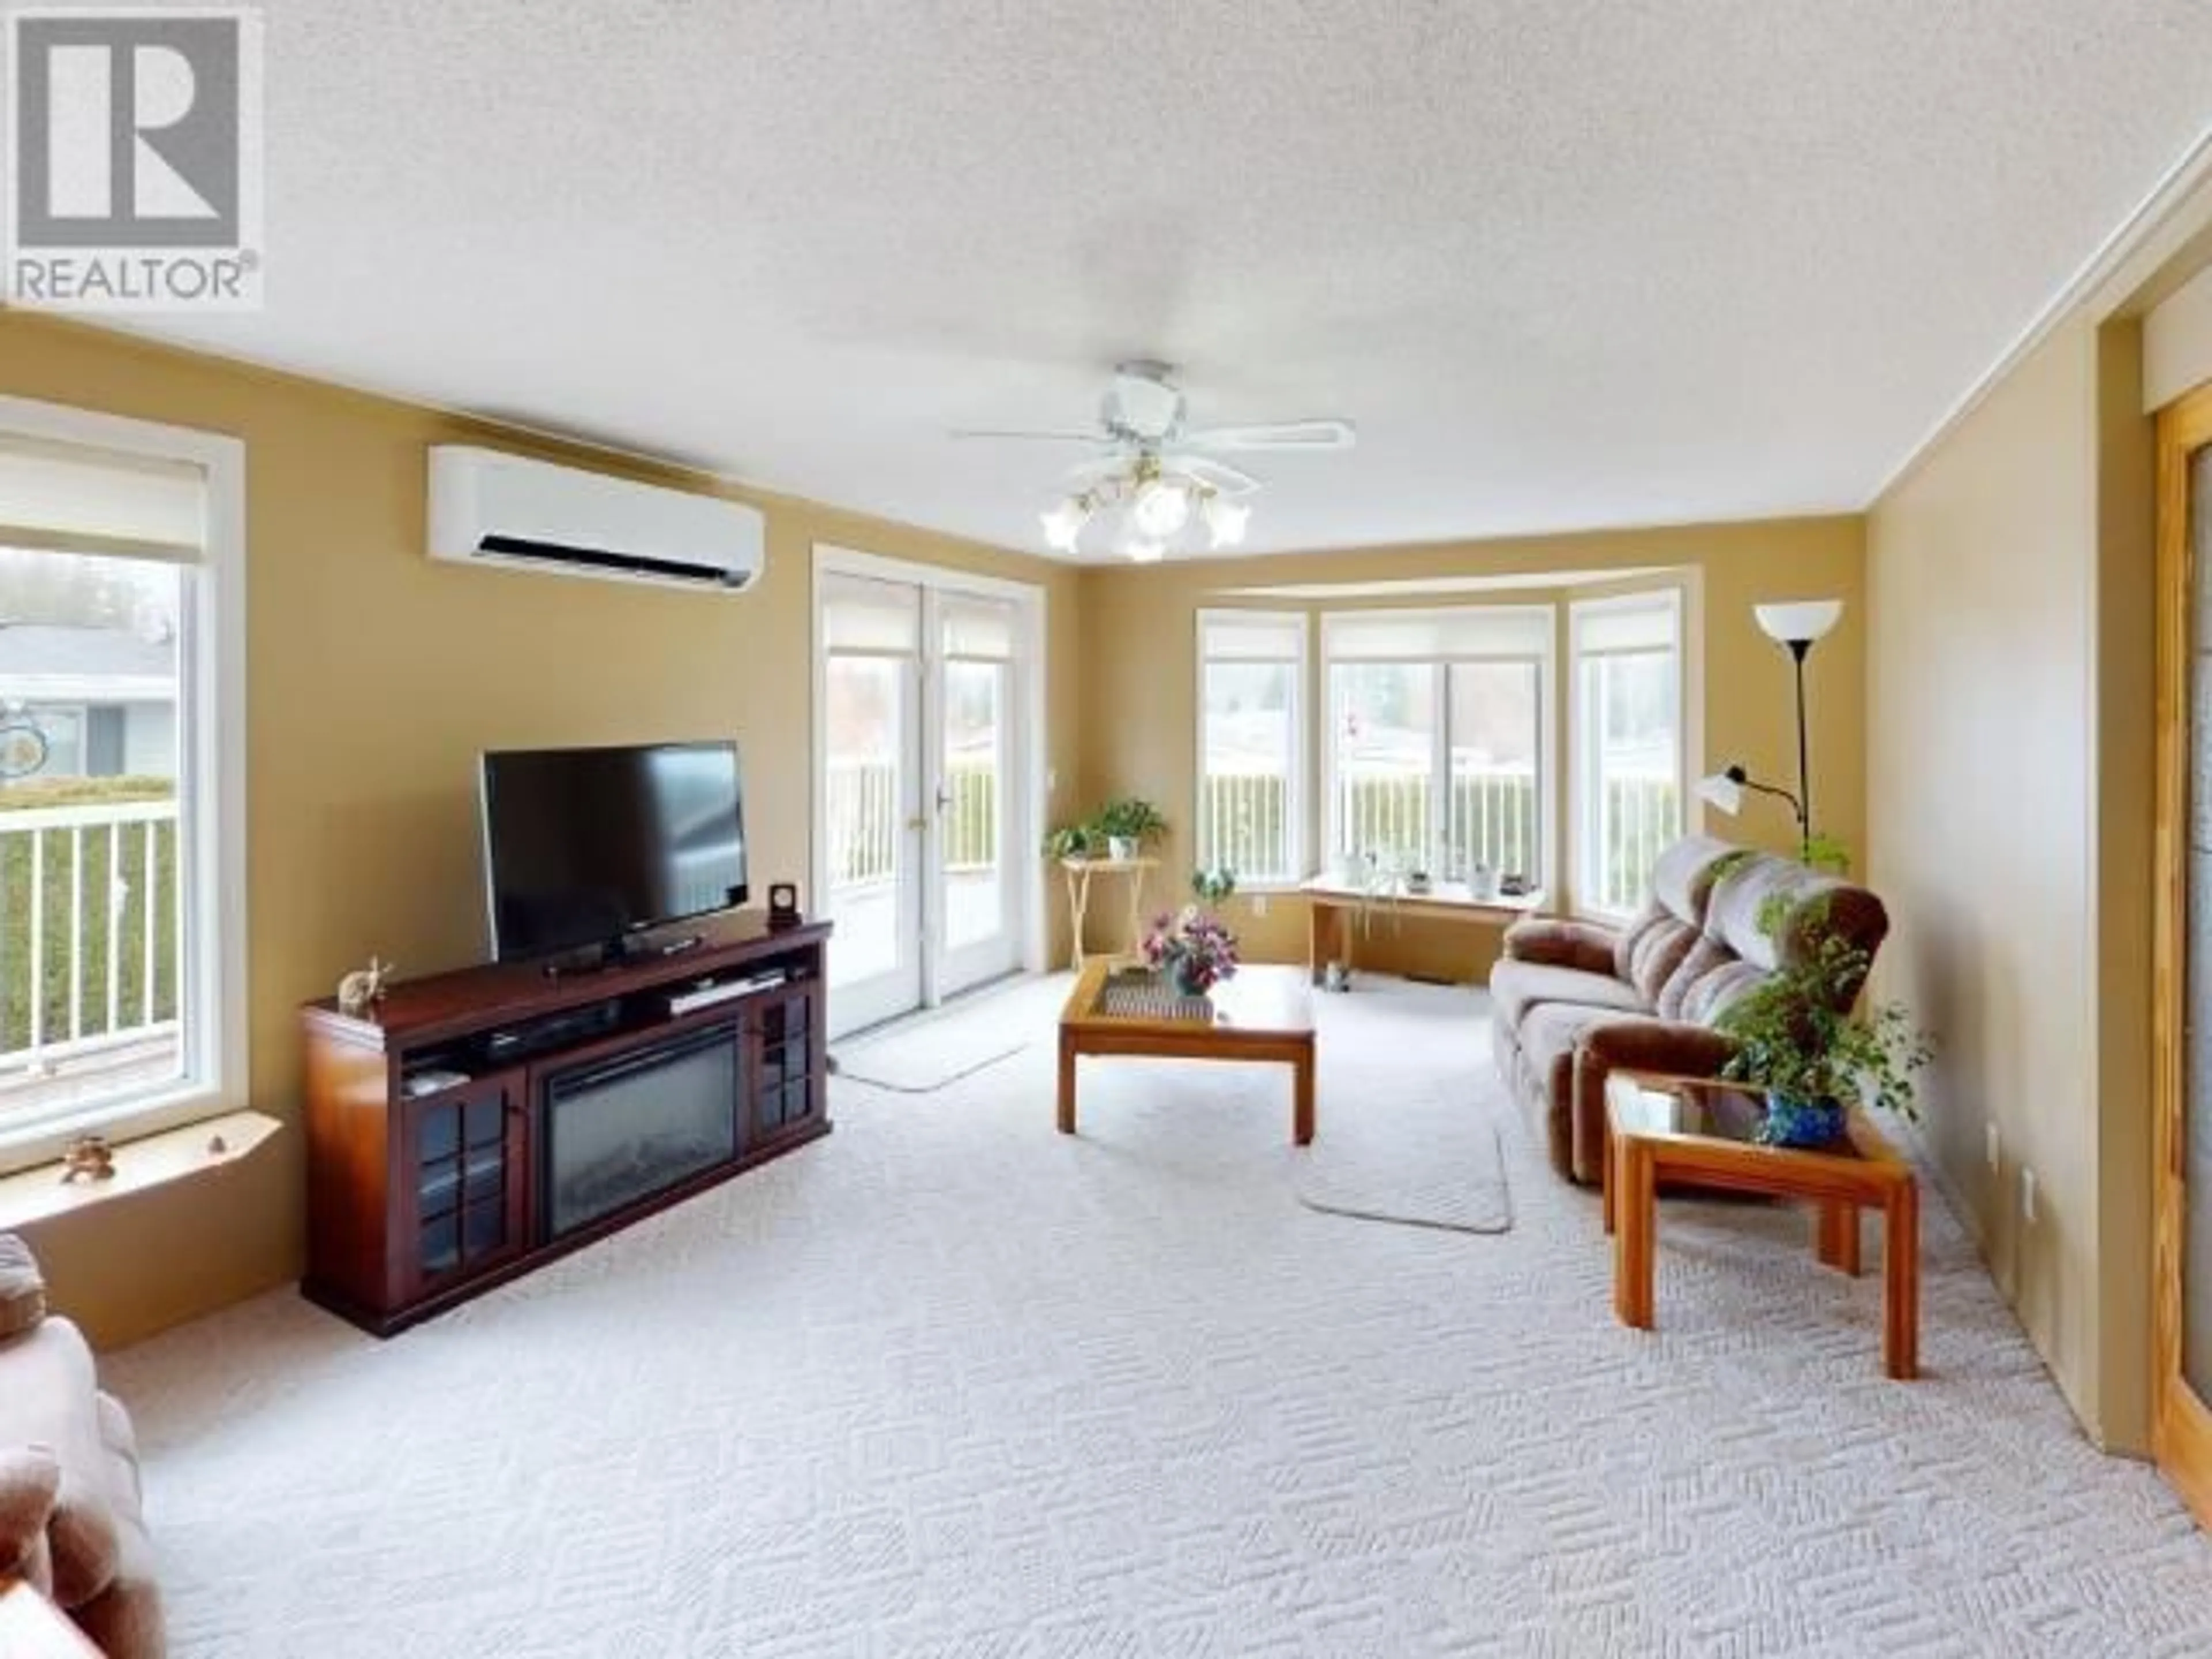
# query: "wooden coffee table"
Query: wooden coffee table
{"points": [[1263, 1014], [1696, 1132]]}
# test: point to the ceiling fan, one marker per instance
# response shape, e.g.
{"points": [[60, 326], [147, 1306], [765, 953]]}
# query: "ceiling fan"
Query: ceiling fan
{"points": [[1156, 474]]}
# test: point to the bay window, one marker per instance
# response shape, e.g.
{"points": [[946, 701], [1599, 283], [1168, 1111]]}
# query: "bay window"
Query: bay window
{"points": [[121, 788], [1437, 753], [1252, 745], [1628, 744]]}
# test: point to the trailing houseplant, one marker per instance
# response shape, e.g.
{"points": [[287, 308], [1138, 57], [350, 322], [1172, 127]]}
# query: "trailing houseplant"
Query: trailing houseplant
{"points": [[1129, 824], [1800, 1038]]}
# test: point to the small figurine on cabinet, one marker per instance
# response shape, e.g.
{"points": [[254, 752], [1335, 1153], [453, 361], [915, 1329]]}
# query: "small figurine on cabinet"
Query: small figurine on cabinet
{"points": [[88, 1157], [783, 905], [364, 987]]}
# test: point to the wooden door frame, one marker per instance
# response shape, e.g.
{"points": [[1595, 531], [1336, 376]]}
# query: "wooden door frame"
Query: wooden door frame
{"points": [[2181, 1426]]}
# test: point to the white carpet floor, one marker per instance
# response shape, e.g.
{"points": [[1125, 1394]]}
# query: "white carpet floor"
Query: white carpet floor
{"points": [[949, 1384]]}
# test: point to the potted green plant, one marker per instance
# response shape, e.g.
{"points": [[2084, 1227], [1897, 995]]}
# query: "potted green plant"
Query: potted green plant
{"points": [[1073, 840], [1129, 824], [1800, 1038]]}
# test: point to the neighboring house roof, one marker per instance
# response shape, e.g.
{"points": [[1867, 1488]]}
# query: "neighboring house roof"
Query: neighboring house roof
{"points": [[93, 665]]}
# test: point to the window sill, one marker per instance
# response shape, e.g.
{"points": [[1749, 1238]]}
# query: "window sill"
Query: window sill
{"points": [[38, 1194]]}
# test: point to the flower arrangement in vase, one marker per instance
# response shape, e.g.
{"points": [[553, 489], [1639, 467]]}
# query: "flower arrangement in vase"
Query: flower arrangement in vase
{"points": [[1193, 949]]}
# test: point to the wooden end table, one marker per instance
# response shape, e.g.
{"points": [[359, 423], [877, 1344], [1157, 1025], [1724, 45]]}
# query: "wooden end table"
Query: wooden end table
{"points": [[1262, 1014], [1694, 1131]]}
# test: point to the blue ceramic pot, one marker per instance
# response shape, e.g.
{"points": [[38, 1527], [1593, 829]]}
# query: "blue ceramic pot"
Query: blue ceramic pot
{"points": [[1802, 1124], [1188, 978]]}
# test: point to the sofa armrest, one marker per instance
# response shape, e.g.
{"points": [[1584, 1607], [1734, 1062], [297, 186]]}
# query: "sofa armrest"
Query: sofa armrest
{"points": [[1668, 1048], [1673, 1048], [1560, 942]]}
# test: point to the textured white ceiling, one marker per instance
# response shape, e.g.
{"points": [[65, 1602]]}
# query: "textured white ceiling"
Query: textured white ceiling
{"points": [[1567, 263]]}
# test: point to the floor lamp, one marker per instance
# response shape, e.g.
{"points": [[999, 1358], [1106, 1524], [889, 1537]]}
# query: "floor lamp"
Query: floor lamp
{"points": [[1795, 627]]}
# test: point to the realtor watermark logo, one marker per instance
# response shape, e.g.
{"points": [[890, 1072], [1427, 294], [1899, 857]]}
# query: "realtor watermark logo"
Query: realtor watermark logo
{"points": [[134, 159]]}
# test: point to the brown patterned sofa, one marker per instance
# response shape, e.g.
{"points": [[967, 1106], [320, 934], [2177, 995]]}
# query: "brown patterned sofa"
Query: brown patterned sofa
{"points": [[69, 1519], [1572, 1001]]}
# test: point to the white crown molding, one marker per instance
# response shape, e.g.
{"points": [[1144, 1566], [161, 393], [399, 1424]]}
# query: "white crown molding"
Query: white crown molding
{"points": [[2181, 181]]}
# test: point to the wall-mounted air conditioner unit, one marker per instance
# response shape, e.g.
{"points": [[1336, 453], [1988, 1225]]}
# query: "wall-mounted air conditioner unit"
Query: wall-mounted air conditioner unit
{"points": [[491, 508]]}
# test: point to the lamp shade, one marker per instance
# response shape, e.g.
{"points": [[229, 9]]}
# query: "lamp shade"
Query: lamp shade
{"points": [[1798, 623], [1723, 790]]}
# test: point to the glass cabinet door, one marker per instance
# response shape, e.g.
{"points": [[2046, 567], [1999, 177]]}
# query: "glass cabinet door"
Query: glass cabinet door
{"points": [[786, 1041], [462, 1160]]}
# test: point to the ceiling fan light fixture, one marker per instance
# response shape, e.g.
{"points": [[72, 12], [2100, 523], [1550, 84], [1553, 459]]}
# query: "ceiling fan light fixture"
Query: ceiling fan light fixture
{"points": [[1227, 520], [1161, 509], [1063, 525]]}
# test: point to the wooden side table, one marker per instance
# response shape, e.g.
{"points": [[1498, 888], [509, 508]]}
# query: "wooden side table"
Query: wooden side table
{"points": [[1698, 1133], [1079, 872], [32, 1627]]}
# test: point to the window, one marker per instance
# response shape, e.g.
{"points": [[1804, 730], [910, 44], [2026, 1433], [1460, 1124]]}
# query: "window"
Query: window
{"points": [[121, 805], [1628, 745], [1437, 740], [1252, 746]]}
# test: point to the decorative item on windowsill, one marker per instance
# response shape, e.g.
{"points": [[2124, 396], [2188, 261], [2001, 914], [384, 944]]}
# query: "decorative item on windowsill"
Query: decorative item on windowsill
{"points": [[1799, 1039], [1515, 885], [1214, 883], [1194, 951], [88, 1157], [1127, 826], [1481, 883], [364, 987]]}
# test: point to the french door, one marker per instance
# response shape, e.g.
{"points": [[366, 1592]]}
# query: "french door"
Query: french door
{"points": [[2182, 971], [923, 777]]}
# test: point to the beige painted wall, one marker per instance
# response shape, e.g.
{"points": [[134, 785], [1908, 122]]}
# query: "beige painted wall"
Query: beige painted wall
{"points": [[374, 677], [1980, 702], [1140, 679], [2010, 745]]}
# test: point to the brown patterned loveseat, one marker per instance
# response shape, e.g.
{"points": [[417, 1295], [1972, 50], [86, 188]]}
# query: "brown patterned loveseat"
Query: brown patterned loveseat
{"points": [[1572, 1001], [70, 1515]]}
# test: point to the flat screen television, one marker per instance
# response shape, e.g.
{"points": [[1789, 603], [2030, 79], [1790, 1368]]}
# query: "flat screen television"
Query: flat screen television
{"points": [[584, 848]]}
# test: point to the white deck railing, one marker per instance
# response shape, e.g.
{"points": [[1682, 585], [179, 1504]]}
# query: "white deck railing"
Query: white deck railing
{"points": [[865, 819], [1491, 817], [88, 930]]}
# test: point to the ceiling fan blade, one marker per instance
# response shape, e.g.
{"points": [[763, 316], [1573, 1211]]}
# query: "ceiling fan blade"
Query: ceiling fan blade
{"points": [[1229, 480], [1031, 437], [1084, 474], [1279, 434]]}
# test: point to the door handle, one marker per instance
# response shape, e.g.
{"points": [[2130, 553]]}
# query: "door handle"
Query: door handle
{"points": [[918, 822]]}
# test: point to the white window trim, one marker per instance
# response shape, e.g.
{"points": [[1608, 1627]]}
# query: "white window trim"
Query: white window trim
{"points": [[211, 805], [1297, 814], [1548, 724], [1581, 873]]}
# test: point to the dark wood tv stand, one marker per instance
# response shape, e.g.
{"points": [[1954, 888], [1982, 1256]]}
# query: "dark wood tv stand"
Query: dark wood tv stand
{"points": [[422, 1193]]}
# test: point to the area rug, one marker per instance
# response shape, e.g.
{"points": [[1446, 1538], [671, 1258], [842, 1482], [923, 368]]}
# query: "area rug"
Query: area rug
{"points": [[1419, 1167], [925, 1052]]}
